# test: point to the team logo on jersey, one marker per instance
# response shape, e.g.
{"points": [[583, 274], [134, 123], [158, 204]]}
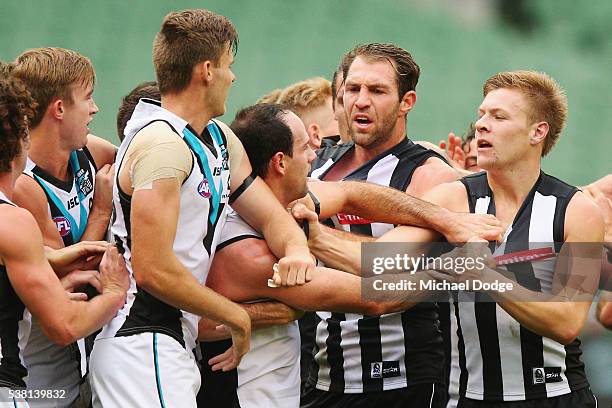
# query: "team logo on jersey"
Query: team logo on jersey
{"points": [[384, 369], [84, 182], [63, 225], [348, 219], [204, 189], [544, 375]]}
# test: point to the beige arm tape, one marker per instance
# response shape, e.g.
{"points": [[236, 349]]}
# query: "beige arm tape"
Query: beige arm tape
{"points": [[157, 153]]}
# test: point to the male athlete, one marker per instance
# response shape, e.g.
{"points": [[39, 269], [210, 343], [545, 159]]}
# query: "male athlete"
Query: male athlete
{"points": [[27, 279], [66, 186], [170, 196], [379, 92], [518, 353]]}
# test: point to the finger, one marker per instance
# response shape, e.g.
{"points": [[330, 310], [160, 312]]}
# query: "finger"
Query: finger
{"points": [[77, 296], [309, 272], [220, 361], [292, 273], [301, 275], [442, 144]]}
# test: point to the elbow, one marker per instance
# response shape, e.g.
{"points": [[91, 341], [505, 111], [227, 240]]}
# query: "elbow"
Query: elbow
{"points": [[373, 308], [62, 334], [567, 334]]}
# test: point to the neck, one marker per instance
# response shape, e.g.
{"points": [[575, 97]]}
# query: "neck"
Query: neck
{"points": [[48, 153], [7, 182], [279, 192], [185, 105], [514, 183]]}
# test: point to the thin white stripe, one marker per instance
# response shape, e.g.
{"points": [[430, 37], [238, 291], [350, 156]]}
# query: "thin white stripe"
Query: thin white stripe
{"points": [[433, 389], [323, 380], [482, 205]]}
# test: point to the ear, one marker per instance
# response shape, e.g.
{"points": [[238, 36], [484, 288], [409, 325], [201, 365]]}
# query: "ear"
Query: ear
{"points": [[314, 135], [57, 108], [277, 164], [539, 133], [202, 71], [408, 102]]}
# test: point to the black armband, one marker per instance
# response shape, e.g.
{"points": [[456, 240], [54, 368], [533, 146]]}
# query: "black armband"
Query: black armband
{"points": [[241, 189]]}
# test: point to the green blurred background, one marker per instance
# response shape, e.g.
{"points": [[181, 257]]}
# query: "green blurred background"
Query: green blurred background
{"points": [[458, 44]]}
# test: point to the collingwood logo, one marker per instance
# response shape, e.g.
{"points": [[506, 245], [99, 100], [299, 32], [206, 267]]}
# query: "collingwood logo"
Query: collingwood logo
{"points": [[544, 375], [384, 369]]}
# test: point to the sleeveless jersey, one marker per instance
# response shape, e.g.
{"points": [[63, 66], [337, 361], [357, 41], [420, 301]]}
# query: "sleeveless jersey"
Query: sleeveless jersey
{"points": [[357, 353], [203, 199], [500, 359]]}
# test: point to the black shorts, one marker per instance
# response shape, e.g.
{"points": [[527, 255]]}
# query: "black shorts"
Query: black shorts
{"points": [[583, 398], [416, 396]]}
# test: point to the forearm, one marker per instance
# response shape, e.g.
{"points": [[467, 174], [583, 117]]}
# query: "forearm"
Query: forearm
{"points": [[337, 253], [283, 235], [97, 225], [266, 314], [392, 206], [87, 317], [170, 282], [553, 316]]}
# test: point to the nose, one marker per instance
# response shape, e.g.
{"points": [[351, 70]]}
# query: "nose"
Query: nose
{"points": [[94, 107], [481, 124], [363, 99]]}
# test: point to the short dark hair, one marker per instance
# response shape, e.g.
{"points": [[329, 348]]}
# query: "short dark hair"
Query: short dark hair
{"points": [[407, 70], [187, 38], [468, 136], [17, 108], [263, 133], [147, 89]]}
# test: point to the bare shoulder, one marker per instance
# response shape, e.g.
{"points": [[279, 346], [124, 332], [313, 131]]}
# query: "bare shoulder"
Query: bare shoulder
{"points": [[30, 195], [102, 151], [452, 196], [583, 220], [432, 172], [18, 224]]}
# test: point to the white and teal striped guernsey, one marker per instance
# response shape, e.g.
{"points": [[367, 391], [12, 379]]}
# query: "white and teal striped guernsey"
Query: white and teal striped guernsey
{"points": [[203, 200]]}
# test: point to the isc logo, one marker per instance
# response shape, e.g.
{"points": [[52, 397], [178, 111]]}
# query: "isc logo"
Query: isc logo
{"points": [[63, 225], [204, 189]]}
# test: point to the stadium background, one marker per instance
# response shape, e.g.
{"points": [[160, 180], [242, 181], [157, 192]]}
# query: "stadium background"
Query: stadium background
{"points": [[458, 44]]}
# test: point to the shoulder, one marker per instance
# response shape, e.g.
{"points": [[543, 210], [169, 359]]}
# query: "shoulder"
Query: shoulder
{"points": [[452, 196], [432, 172], [18, 225], [158, 134], [28, 193], [584, 221], [102, 151]]}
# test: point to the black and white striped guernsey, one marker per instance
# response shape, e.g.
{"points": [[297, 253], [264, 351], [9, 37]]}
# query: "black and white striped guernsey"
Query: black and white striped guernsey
{"points": [[14, 327], [356, 353], [203, 201], [500, 359]]}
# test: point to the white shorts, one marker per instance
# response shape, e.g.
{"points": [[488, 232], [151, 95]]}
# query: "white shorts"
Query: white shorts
{"points": [[143, 370], [9, 401]]}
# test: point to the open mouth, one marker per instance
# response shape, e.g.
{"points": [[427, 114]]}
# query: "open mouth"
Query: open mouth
{"points": [[362, 121], [483, 144]]}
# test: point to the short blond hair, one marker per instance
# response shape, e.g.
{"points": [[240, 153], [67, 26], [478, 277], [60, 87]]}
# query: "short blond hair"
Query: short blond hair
{"points": [[303, 96], [50, 73], [271, 97], [546, 97]]}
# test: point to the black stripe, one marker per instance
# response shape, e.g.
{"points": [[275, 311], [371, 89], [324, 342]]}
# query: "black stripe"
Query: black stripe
{"points": [[486, 323], [218, 389], [12, 371], [237, 238], [371, 351], [335, 358], [445, 327], [316, 202], [90, 158], [463, 376], [312, 374], [246, 183]]}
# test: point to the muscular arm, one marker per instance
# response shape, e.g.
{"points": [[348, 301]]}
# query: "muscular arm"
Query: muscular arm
{"points": [[62, 320], [563, 320], [239, 271]]}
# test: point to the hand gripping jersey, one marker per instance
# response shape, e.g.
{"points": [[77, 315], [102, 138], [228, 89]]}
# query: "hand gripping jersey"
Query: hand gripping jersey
{"points": [[269, 374], [500, 359], [356, 353]]}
